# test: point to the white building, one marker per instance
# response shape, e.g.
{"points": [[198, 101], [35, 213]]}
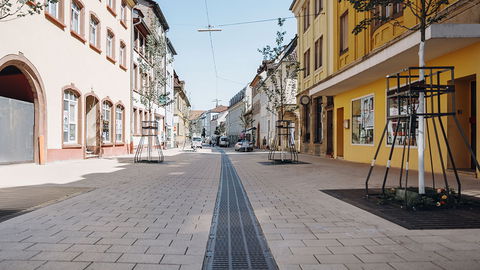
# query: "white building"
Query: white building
{"points": [[146, 13], [237, 107], [75, 58]]}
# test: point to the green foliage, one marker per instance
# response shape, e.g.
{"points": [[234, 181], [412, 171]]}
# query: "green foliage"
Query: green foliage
{"points": [[12, 9], [282, 70], [427, 11], [153, 67]]}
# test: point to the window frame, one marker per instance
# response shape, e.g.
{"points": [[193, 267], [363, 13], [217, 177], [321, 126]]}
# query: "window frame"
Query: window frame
{"points": [[319, 53], [361, 99], [77, 117], [111, 7], [306, 63], [122, 123], [318, 135], [307, 137], [59, 17], [110, 45], [123, 14], [344, 33], [306, 16], [97, 28], [318, 7], [107, 107], [122, 55]]}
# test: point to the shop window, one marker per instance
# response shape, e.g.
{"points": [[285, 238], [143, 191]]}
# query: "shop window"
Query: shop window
{"points": [[396, 109], [318, 119], [306, 137], [106, 122], [119, 124], [70, 117], [363, 120]]}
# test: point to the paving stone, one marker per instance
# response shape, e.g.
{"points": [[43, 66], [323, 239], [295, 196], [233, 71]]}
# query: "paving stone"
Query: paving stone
{"points": [[309, 250], [97, 257], [63, 266], [377, 258], [182, 259], [127, 249], [110, 266], [370, 266], [415, 265], [88, 248], [323, 267], [49, 247], [337, 258], [167, 250], [157, 267], [322, 243], [140, 258], [358, 242], [55, 256], [17, 254], [20, 265], [296, 259], [348, 250]]}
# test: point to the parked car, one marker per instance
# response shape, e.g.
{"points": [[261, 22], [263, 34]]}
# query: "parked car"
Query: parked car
{"points": [[244, 145], [224, 142], [196, 142]]}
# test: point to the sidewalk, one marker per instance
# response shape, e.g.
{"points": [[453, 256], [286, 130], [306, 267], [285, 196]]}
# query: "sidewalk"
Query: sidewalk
{"points": [[142, 216], [307, 229]]}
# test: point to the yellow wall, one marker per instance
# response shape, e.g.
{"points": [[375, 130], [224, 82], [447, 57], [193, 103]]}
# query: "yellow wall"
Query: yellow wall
{"points": [[465, 62]]}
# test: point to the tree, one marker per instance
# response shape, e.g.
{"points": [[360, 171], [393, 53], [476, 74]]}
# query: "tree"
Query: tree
{"points": [[12, 9], [427, 12], [220, 129], [280, 84], [246, 118], [154, 72]]}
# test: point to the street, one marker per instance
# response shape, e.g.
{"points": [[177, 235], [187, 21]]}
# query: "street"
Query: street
{"points": [[158, 216]]}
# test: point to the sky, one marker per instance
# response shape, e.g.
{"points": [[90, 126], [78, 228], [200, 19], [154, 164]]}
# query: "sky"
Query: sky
{"points": [[235, 47]]}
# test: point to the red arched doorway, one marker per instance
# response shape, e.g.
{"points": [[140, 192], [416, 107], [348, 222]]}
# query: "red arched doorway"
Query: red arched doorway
{"points": [[22, 112]]}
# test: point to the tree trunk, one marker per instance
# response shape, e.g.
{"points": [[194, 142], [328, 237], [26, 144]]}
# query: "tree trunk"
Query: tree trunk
{"points": [[421, 105]]}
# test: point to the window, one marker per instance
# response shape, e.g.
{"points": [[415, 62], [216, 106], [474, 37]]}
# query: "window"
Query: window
{"points": [[344, 33], [141, 44], [110, 44], [119, 124], [53, 8], [306, 16], [363, 120], [306, 63], [76, 18], [396, 109], [306, 138], [135, 77], [106, 121], [94, 32], [318, 7], [319, 53], [135, 121], [123, 55], [135, 39], [111, 7], [123, 13], [70, 116], [318, 119]]}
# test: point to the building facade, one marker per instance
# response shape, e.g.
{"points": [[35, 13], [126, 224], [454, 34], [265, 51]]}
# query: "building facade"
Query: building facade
{"points": [[181, 125], [150, 20], [349, 107], [52, 77]]}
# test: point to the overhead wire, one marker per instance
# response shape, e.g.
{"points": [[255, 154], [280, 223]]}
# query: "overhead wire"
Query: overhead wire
{"points": [[213, 51]]}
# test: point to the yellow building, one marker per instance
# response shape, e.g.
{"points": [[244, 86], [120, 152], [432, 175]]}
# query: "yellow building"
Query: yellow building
{"points": [[347, 112]]}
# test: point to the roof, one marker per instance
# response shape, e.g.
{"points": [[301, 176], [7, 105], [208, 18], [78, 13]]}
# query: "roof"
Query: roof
{"points": [[219, 109], [159, 13], [293, 4], [195, 114], [170, 47]]}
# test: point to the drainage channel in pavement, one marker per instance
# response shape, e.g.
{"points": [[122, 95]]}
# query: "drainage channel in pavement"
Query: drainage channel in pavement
{"points": [[236, 239]]}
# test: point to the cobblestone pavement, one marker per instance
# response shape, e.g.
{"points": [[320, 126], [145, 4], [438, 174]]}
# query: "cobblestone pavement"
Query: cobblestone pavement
{"points": [[141, 216], [307, 229], [159, 217]]}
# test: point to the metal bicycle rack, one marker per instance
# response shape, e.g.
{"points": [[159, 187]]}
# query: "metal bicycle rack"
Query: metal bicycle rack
{"points": [[403, 89]]}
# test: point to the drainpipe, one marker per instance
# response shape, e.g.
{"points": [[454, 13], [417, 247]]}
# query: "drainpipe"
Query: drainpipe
{"points": [[132, 84]]}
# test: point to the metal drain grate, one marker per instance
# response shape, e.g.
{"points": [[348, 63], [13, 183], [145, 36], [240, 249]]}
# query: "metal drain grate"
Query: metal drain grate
{"points": [[236, 240]]}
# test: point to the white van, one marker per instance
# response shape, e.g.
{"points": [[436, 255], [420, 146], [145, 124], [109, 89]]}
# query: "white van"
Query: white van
{"points": [[224, 142], [196, 142]]}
